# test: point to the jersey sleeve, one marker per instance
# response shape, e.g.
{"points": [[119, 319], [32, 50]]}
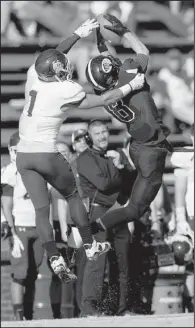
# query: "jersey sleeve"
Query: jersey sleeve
{"points": [[137, 65], [141, 62], [72, 93], [131, 67]]}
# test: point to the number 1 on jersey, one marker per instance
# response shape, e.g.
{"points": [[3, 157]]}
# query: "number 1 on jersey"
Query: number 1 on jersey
{"points": [[33, 95]]}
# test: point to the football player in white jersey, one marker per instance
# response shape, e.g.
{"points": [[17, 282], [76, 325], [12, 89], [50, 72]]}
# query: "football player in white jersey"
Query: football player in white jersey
{"points": [[184, 209], [184, 187], [26, 248], [50, 95]]}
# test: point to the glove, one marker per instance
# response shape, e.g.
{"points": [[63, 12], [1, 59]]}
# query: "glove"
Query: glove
{"points": [[17, 247], [100, 41], [117, 27], [86, 28], [138, 82], [5, 230]]}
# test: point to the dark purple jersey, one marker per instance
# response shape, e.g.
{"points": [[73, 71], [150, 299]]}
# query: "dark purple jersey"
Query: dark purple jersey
{"points": [[138, 110]]}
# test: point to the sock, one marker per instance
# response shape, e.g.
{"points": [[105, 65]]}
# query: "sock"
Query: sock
{"points": [[86, 234], [51, 249], [18, 311]]}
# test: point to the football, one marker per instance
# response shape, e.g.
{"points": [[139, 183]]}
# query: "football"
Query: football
{"points": [[108, 35]]}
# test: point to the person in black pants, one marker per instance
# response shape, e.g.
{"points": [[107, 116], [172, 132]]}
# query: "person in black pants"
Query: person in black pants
{"points": [[102, 174], [149, 145]]}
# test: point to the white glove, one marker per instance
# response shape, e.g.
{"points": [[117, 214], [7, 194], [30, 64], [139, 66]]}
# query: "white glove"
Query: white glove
{"points": [[138, 82], [183, 227], [86, 28], [17, 247], [116, 158]]}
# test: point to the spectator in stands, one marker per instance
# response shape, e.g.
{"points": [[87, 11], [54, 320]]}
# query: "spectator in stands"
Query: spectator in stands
{"points": [[27, 252], [101, 178], [6, 8], [180, 94]]}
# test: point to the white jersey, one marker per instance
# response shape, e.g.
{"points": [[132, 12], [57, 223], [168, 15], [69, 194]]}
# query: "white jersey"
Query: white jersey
{"points": [[186, 162], [23, 209], [43, 113]]}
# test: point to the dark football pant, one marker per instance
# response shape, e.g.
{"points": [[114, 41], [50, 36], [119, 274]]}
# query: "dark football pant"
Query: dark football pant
{"points": [[36, 169], [150, 164]]}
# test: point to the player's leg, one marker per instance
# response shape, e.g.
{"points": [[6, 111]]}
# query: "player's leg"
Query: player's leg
{"points": [[28, 167], [150, 164], [36, 187], [59, 174], [19, 268]]}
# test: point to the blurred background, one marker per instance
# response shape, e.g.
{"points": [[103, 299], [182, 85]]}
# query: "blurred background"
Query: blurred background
{"points": [[165, 27]]}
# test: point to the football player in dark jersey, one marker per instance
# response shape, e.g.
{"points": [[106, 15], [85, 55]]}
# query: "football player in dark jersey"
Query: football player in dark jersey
{"points": [[138, 111]]}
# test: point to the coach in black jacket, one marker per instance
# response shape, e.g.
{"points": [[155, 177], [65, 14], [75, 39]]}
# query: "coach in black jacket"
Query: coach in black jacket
{"points": [[102, 176]]}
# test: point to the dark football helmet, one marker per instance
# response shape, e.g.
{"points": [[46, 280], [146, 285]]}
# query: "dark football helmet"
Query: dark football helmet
{"points": [[183, 249], [102, 72], [52, 65]]}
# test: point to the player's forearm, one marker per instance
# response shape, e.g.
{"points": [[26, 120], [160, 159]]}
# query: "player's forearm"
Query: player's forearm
{"points": [[135, 43], [92, 101], [109, 97], [67, 44], [113, 96], [7, 206]]}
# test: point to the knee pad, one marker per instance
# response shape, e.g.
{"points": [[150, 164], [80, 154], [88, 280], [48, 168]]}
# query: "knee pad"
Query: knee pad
{"points": [[19, 281]]}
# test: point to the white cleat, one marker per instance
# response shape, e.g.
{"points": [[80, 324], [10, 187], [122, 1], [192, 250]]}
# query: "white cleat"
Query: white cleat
{"points": [[61, 269], [96, 249]]}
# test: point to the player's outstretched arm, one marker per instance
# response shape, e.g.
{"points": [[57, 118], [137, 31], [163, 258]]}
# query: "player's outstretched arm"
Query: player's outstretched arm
{"points": [[83, 31], [110, 97], [129, 37]]}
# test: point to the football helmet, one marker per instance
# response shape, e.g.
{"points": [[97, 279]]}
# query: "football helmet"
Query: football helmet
{"points": [[183, 249], [52, 65], [102, 72]]}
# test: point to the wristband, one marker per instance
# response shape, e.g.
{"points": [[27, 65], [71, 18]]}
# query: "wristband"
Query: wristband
{"points": [[102, 47], [125, 89], [75, 35]]}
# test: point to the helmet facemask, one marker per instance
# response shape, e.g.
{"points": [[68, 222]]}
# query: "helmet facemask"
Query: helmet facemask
{"points": [[62, 71]]}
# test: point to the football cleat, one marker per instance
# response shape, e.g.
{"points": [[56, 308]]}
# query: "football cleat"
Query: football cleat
{"points": [[94, 250], [61, 269]]}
